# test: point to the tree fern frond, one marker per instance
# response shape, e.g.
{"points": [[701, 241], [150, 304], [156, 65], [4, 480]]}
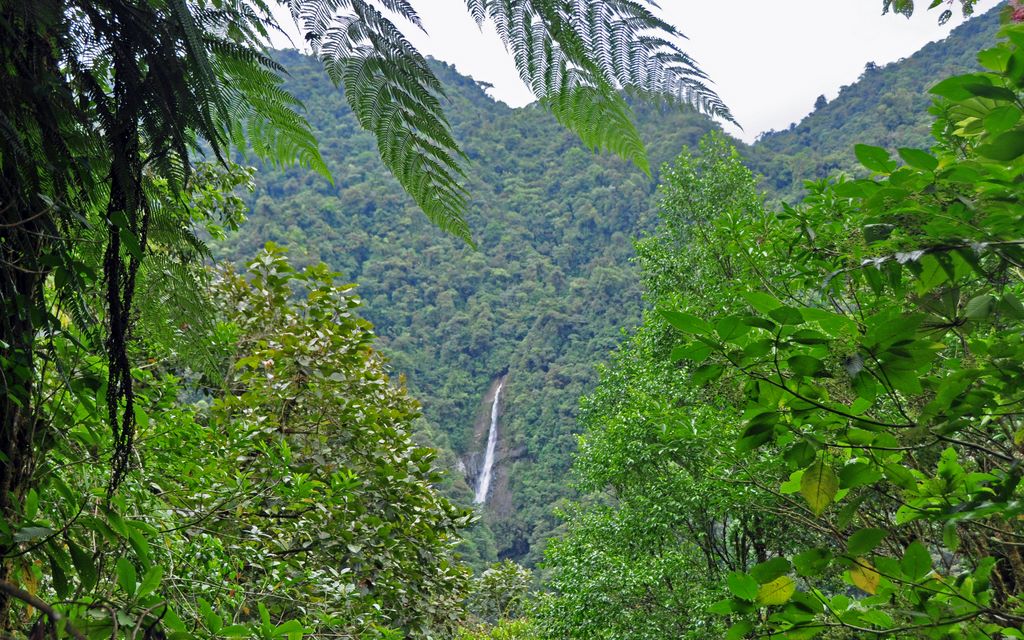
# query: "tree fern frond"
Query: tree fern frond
{"points": [[570, 52], [393, 94]]}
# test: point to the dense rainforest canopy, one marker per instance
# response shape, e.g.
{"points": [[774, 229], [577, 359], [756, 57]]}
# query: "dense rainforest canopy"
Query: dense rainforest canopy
{"points": [[813, 431]]}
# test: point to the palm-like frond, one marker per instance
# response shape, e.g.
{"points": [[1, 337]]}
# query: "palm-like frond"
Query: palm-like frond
{"points": [[578, 57], [581, 53], [394, 95]]}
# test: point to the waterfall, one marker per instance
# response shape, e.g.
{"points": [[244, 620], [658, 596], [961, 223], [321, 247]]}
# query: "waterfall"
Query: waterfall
{"points": [[484, 483]]}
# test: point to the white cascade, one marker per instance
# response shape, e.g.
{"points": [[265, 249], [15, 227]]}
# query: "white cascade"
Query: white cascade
{"points": [[483, 484]]}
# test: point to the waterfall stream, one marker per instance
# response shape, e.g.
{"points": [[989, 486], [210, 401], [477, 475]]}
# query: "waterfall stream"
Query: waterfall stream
{"points": [[483, 484]]}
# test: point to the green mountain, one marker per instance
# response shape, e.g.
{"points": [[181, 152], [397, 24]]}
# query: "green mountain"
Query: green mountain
{"points": [[887, 107], [551, 286]]}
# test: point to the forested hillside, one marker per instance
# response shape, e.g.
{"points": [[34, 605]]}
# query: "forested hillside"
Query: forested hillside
{"points": [[887, 106], [551, 286]]}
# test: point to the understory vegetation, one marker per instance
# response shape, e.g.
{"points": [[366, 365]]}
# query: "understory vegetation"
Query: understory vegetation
{"points": [[810, 423]]}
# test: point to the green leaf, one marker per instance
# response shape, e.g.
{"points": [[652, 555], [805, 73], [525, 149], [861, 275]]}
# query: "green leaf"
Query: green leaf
{"points": [[213, 621], [954, 88], [759, 430], [151, 580], [723, 607], [990, 91], [787, 316], [739, 630], [819, 486], [979, 307], [697, 352], [770, 570], [686, 323], [31, 504], [900, 476], [858, 474], [919, 159], [865, 541], [731, 327], [706, 373], [875, 158], [1007, 146], [761, 301], [742, 586], [917, 562], [126, 575], [950, 536], [801, 453], [803, 365], [1002, 119], [84, 565], [812, 561]]}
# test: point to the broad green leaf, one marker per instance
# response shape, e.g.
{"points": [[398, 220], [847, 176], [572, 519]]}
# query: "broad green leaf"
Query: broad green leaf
{"points": [[723, 607], [739, 630], [919, 159], [151, 580], [859, 474], [865, 540], [812, 562], [28, 534], [686, 323], [742, 586], [990, 91], [819, 486], [1002, 119], [706, 373], [979, 307], [1007, 146], [697, 352], [213, 621], [954, 88], [761, 301], [731, 327], [126, 575], [787, 315], [875, 158], [801, 454], [803, 365], [84, 565], [950, 536], [776, 592], [770, 570], [917, 562]]}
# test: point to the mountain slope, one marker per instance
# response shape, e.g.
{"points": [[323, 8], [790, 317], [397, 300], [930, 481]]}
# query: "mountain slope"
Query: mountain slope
{"points": [[887, 107]]}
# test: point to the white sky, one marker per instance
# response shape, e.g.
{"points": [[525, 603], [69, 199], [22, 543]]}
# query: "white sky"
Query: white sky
{"points": [[769, 61]]}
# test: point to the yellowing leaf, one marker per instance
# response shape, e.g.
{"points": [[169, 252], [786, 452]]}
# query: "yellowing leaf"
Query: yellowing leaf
{"points": [[778, 591], [864, 576], [819, 486]]}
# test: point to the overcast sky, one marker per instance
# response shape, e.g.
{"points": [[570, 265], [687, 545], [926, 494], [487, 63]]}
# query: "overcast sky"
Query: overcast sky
{"points": [[769, 61]]}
